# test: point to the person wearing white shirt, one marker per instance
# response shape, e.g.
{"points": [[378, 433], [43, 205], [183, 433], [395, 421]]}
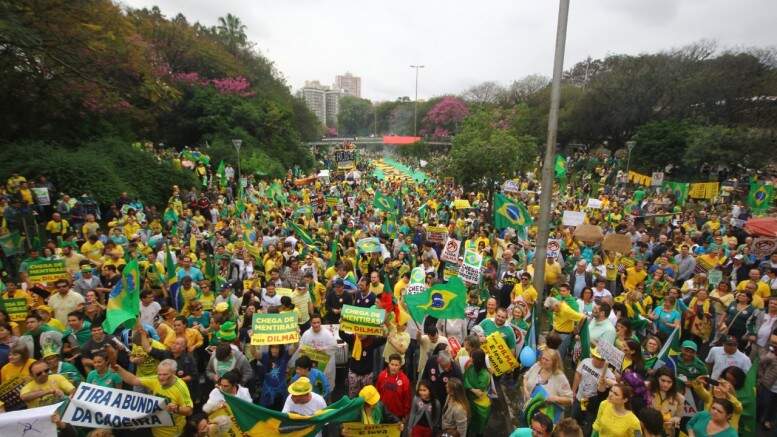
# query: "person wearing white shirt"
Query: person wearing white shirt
{"points": [[601, 293], [725, 356], [149, 308], [302, 400], [320, 339], [228, 383]]}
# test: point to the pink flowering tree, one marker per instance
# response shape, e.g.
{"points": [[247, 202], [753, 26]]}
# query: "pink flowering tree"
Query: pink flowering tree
{"points": [[228, 85], [444, 118]]}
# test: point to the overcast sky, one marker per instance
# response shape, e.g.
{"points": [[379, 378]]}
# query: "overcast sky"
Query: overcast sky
{"points": [[465, 42]]}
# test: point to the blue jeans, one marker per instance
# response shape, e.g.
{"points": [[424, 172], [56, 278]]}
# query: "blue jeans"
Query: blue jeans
{"points": [[566, 343]]}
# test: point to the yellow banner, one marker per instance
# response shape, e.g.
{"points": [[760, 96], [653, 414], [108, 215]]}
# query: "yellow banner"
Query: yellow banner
{"points": [[362, 430], [502, 358], [361, 329], [640, 179], [704, 190]]}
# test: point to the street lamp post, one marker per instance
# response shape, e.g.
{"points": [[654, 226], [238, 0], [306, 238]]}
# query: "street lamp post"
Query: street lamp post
{"points": [[630, 146], [415, 109], [237, 143]]}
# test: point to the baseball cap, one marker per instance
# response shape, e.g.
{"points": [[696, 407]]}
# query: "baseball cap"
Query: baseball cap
{"points": [[370, 394], [689, 344]]}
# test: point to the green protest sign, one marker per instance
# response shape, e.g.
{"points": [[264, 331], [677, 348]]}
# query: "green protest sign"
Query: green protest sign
{"points": [[47, 271], [16, 308], [363, 321], [274, 329], [320, 358]]}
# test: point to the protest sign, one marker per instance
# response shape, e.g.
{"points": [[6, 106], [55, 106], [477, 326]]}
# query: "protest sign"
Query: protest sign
{"points": [[500, 356], [319, 358], [28, 422], [93, 406], [332, 201], [714, 276], [41, 196], [417, 281], [363, 321], [360, 429], [46, 271], [450, 270], [9, 393], [274, 329], [283, 291], [436, 234], [589, 233], [553, 249], [611, 354], [450, 250], [704, 190], [617, 243], [657, 178], [573, 218], [594, 204], [511, 186], [16, 308], [344, 159], [469, 271]]}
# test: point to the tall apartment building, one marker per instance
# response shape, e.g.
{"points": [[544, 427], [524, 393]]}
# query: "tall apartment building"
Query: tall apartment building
{"points": [[350, 84], [322, 101]]}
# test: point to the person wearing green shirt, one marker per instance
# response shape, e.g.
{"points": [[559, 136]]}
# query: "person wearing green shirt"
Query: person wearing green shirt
{"points": [[499, 324], [79, 330], [102, 375], [687, 366]]}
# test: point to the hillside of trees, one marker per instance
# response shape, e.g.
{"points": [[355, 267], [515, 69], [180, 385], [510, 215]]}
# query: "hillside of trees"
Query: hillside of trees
{"points": [[93, 77]]}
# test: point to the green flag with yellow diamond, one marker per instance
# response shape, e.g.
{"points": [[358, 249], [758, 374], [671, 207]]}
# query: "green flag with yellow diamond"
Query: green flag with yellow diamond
{"points": [[443, 301], [385, 203]]}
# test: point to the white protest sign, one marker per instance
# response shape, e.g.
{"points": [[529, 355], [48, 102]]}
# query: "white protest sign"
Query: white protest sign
{"points": [[469, 271], [554, 249], [42, 196], [93, 406], [657, 178], [573, 218], [611, 354], [450, 251], [417, 281], [594, 203], [29, 422], [511, 186]]}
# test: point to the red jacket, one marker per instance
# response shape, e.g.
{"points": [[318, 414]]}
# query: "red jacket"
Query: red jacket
{"points": [[395, 392]]}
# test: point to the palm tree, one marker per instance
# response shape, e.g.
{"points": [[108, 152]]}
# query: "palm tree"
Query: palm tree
{"points": [[233, 31]]}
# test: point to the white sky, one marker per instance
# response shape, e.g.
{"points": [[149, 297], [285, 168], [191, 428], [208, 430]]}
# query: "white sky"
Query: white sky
{"points": [[463, 43]]}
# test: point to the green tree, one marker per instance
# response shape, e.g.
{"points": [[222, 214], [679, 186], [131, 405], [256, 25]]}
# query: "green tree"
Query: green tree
{"points": [[484, 154], [746, 148], [659, 144], [233, 31], [355, 116]]}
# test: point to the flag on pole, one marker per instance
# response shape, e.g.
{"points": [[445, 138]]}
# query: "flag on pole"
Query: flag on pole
{"points": [[760, 197], [11, 243], [560, 168], [679, 189], [384, 203], [672, 344], [124, 300], [443, 301], [509, 214], [221, 172], [302, 234], [171, 280]]}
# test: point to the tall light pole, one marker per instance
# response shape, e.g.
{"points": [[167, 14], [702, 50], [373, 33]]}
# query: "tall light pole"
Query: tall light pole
{"points": [[550, 157], [630, 146], [237, 142], [415, 109]]}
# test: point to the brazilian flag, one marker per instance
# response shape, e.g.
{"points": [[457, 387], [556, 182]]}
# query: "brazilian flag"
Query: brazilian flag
{"points": [[509, 214], [368, 245], [679, 189], [257, 421], [302, 234], [760, 197], [124, 301], [443, 301], [386, 203]]}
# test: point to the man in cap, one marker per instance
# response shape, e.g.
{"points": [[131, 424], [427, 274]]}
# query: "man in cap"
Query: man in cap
{"points": [[721, 357], [87, 281], [233, 302], [373, 412], [687, 365]]}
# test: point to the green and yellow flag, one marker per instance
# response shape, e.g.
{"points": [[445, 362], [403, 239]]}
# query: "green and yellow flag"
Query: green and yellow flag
{"points": [[222, 174], [760, 197], [11, 243], [746, 395], [509, 214], [679, 189], [302, 234], [257, 421], [124, 301], [443, 301], [384, 203]]}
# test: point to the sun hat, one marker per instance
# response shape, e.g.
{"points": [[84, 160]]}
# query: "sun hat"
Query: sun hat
{"points": [[300, 387]]}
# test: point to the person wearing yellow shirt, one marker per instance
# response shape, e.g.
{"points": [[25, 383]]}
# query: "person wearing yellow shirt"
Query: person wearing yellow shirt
{"points": [[762, 288], [553, 272], [57, 226], [45, 388], [18, 365], [25, 193], [193, 337], [634, 275], [13, 292], [566, 322], [114, 258], [131, 227], [14, 181], [524, 290], [401, 286], [168, 386], [615, 418], [376, 287], [92, 248]]}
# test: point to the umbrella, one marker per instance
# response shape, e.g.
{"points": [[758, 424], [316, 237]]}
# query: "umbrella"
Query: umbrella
{"points": [[762, 226]]}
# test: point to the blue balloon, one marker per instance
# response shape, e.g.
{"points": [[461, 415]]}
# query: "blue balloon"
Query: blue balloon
{"points": [[528, 356]]}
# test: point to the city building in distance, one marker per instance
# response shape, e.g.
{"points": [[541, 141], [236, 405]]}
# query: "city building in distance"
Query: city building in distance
{"points": [[322, 100], [350, 84]]}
